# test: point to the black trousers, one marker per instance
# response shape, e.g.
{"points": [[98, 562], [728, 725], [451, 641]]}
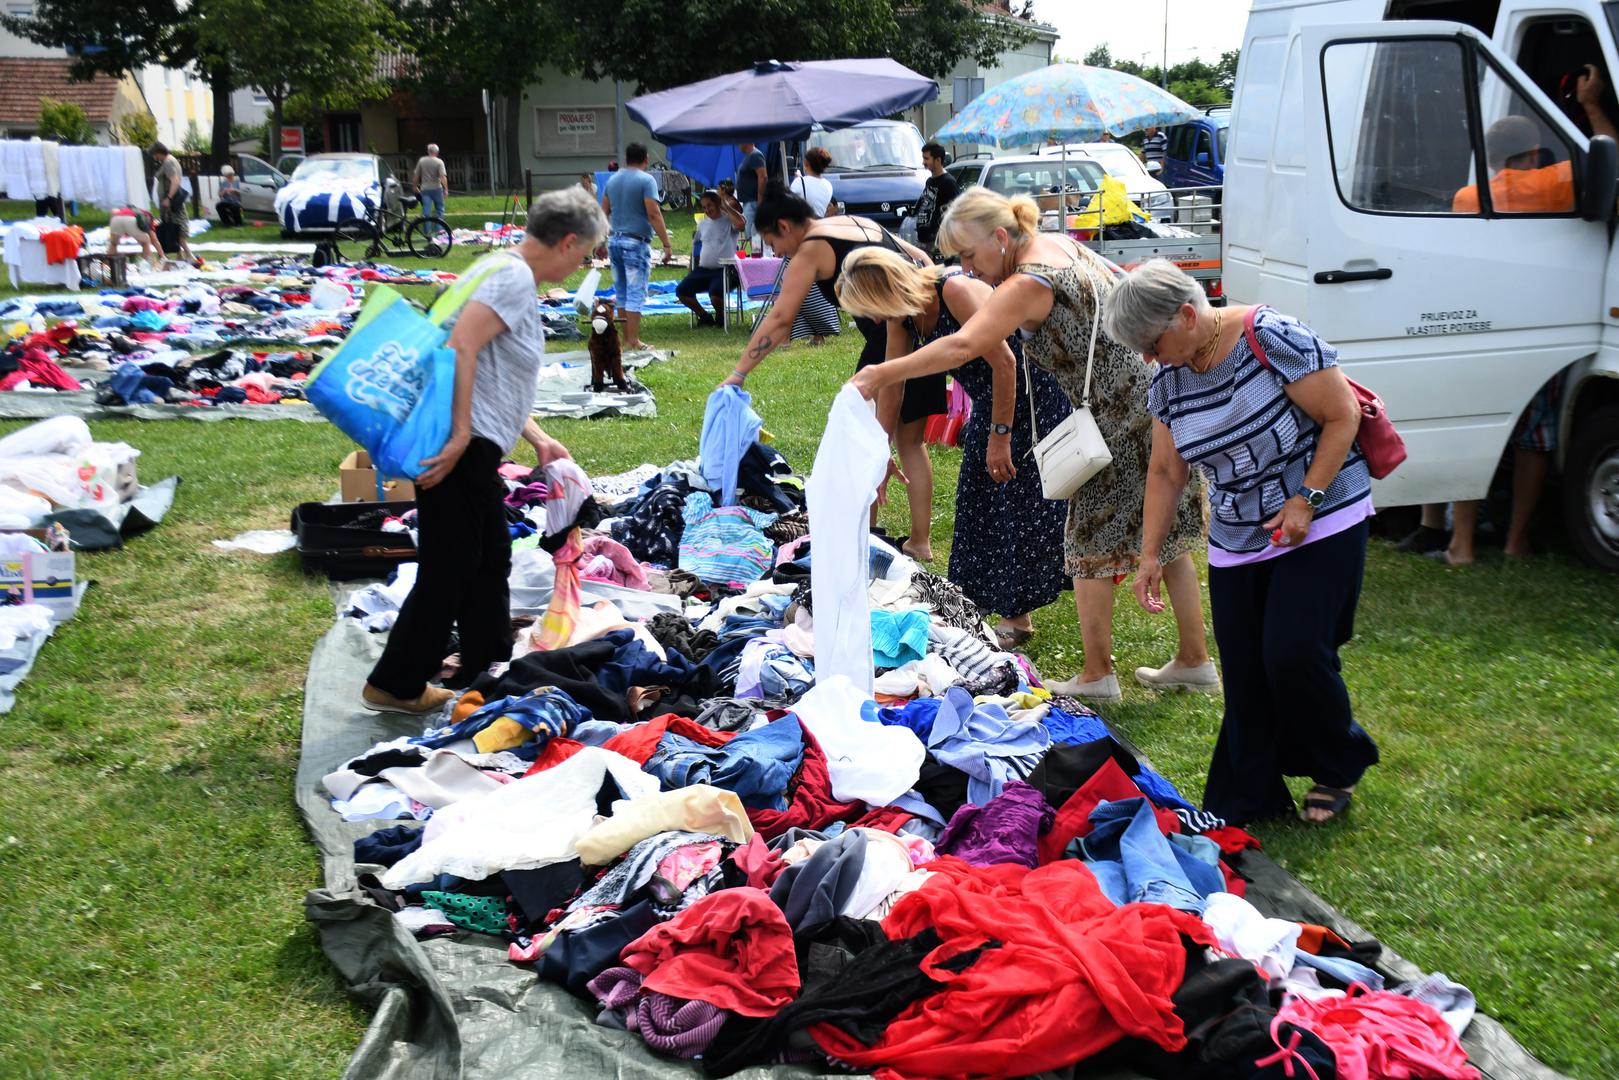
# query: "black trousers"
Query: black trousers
{"points": [[464, 557], [1279, 625], [230, 214]]}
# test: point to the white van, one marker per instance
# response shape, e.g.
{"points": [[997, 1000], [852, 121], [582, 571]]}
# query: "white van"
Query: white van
{"points": [[1354, 201]]}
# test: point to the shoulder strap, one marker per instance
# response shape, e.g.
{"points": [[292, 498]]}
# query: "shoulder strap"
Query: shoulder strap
{"points": [[1253, 339], [456, 296]]}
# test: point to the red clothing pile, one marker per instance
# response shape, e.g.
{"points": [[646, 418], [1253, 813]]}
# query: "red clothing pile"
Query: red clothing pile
{"points": [[732, 949], [1074, 974]]}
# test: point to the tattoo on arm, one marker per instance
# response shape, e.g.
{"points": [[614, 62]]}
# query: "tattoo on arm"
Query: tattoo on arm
{"points": [[758, 352]]}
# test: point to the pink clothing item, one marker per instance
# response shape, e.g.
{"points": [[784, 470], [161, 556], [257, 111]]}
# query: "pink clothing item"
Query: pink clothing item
{"points": [[147, 303], [789, 551], [556, 625], [685, 865], [605, 559], [511, 470], [1377, 1035]]}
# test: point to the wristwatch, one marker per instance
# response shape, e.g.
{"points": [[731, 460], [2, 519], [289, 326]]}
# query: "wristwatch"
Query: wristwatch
{"points": [[1314, 496], [1000, 429]]}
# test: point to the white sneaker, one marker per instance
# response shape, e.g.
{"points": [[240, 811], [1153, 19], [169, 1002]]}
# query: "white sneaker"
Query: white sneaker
{"points": [[1203, 679], [1104, 689]]}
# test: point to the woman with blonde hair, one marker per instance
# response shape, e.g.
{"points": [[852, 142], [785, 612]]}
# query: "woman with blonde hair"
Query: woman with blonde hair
{"points": [[1007, 551], [1050, 290]]}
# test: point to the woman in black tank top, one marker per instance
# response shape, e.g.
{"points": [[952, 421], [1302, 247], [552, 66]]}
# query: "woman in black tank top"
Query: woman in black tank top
{"points": [[817, 247]]}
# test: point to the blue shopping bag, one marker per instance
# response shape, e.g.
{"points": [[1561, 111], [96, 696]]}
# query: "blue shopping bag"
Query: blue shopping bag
{"points": [[391, 385], [377, 388]]}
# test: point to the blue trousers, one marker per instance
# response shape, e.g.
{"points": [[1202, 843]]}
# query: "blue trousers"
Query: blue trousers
{"points": [[1279, 625], [433, 202]]}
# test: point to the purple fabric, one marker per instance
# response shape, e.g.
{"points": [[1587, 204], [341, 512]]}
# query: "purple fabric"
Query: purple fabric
{"points": [[527, 495], [616, 988], [667, 1024], [1005, 830], [673, 1026]]}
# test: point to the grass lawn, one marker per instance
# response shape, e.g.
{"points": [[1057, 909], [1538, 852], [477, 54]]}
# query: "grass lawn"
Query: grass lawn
{"points": [[153, 863]]}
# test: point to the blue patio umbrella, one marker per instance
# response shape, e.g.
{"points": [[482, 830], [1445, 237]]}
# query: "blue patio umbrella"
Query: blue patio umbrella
{"points": [[777, 100], [1065, 103]]}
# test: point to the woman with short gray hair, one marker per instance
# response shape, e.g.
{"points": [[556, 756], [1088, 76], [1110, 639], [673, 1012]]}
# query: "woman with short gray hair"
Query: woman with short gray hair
{"points": [[1258, 403], [464, 554]]}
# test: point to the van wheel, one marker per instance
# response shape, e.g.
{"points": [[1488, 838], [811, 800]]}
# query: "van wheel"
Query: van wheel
{"points": [[1591, 489]]}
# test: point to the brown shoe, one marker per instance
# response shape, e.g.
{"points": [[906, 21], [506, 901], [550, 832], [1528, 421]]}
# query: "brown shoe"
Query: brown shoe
{"points": [[432, 699]]}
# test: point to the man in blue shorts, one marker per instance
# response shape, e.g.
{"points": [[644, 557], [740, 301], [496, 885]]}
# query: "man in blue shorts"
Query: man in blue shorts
{"points": [[631, 203]]}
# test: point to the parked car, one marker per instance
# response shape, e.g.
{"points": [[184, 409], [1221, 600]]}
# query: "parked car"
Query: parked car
{"points": [[1027, 175], [328, 189], [1195, 156], [876, 168], [1120, 161], [260, 182]]}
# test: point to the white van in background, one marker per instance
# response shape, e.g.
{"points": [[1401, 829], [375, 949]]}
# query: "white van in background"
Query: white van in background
{"points": [[1356, 125]]}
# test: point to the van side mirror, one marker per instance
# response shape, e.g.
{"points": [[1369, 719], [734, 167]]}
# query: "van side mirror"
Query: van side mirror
{"points": [[1204, 160], [1601, 179]]}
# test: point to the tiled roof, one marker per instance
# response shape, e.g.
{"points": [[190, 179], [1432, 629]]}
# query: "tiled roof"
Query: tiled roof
{"points": [[24, 80]]}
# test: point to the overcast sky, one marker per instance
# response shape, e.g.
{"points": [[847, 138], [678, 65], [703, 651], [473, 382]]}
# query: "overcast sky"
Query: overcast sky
{"points": [[1203, 28]]}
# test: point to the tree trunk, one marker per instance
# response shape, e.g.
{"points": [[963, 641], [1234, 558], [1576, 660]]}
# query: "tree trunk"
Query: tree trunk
{"points": [[274, 134], [219, 81]]}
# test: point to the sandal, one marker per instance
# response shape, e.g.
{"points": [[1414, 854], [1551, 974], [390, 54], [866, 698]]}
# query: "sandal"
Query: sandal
{"points": [[1010, 637], [1335, 801]]}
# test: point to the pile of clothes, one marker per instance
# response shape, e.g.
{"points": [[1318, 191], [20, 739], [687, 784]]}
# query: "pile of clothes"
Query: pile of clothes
{"points": [[673, 802]]}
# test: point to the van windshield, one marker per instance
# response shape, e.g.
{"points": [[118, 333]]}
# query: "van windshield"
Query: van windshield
{"points": [[856, 148]]}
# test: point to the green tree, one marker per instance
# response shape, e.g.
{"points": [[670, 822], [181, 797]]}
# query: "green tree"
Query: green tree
{"points": [[115, 36], [193, 143], [136, 129], [653, 44], [65, 122], [1194, 81], [325, 51]]}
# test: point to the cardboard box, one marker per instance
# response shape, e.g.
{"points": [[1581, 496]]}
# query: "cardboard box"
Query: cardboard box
{"points": [[357, 482], [48, 578]]}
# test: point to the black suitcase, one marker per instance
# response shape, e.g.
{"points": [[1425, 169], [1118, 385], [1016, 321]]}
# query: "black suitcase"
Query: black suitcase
{"points": [[168, 237], [333, 541]]}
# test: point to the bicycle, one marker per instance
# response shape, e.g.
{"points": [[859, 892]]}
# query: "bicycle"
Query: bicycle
{"points": [[361, 239], [674, 188]]}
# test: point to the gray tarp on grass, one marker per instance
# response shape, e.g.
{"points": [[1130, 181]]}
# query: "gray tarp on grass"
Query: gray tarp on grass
{"points": [[565, 395], [453, 1007]]}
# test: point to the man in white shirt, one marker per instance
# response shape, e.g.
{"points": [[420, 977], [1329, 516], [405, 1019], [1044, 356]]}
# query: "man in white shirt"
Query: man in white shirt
{"points": [[717, 236]]}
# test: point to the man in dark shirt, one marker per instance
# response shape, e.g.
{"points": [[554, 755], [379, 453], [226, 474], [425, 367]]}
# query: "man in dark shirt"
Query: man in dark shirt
{"points": [[938, 193], [750, 183]]}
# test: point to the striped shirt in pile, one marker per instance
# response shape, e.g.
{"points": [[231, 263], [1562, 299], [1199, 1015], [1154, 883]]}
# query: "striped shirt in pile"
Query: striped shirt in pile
{"points": [[1254, 445]]}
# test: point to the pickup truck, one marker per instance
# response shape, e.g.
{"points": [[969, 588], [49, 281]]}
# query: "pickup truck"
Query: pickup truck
{"points": [[1192, 217]]}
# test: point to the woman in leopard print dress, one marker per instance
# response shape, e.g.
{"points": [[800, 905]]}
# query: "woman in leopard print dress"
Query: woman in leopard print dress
{"points": [[1051, 290]]}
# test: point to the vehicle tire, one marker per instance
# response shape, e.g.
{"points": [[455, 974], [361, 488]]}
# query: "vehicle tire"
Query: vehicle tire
{"points": [[429, 238], [356, 240], [1591, 488]]}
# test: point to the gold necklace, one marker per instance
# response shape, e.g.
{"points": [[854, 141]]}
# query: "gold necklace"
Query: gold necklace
{"points": [[1208, 346]]}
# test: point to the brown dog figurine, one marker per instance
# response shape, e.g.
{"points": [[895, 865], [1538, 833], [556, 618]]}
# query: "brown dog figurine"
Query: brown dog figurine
{"points": [[606, 353]]}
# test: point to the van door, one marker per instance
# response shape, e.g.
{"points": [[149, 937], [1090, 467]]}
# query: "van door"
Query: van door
{"points": [[1446, 255]]}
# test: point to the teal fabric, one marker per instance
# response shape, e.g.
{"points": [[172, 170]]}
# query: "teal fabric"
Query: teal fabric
{"points": [[899, 637]]}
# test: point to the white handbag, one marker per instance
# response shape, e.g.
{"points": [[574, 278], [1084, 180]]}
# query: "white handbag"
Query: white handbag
{"points": [[1073, 451]]}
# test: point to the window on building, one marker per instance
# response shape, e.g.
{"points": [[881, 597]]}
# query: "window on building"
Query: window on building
{"points": [[963, 92]]}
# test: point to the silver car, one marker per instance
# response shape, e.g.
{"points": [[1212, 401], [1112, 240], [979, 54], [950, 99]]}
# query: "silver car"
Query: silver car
{"points": [[260, 181]]}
